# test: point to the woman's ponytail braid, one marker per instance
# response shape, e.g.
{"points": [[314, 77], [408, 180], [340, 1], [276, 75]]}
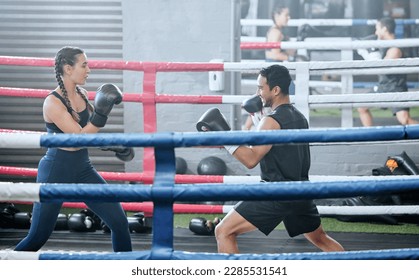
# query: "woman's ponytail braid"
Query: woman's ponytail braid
{"points": [[67, 55]]}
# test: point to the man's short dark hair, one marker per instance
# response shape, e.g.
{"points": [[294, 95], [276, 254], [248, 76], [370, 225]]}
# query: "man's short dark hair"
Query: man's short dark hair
{"points": [[277, 75], [388, 23]]}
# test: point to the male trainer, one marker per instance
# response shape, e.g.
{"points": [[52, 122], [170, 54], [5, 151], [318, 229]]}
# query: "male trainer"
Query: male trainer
{"points": [[286, 162]]}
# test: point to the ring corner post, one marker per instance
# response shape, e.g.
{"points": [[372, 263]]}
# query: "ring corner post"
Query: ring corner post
{"points": [[302, 78], [162, 193]]}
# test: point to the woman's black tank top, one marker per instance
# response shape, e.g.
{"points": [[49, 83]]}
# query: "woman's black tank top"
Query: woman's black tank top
{"points": [[84, 116]]}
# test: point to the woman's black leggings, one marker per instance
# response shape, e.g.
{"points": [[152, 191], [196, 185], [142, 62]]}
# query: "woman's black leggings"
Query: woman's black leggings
{"points": [[60, 166]]}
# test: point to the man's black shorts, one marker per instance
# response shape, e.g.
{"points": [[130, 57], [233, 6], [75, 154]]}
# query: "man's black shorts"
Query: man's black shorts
{"points": [[394, 110], [299, 216]]}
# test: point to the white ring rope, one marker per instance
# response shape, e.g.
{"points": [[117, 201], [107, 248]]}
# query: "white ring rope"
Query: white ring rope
{"points": [[350, 44], [30, 192], [312, 84], [16, 255], [374, 66], [20, 140], [19, 191], [369, 210], [362, 72], [317, 22], [333, 44], [393, 99], [320, 84], [363, 104], [360, 210]]}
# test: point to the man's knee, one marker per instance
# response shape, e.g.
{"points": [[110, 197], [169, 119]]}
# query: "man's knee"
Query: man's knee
{"points": [[225, 230], [403, 121], [363, 110], [403, 117], [220, 231]]}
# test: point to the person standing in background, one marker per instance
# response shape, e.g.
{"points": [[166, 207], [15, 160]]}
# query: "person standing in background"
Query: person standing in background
{"points": [[280, 17]]}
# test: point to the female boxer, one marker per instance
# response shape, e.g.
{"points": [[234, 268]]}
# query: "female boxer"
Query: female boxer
{"points": [[67, 110]]}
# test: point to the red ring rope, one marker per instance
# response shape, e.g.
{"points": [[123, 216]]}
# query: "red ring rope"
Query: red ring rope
{"points": [[259, 45], [145, 177], [128, 97], [147, 207], [119, 65]]}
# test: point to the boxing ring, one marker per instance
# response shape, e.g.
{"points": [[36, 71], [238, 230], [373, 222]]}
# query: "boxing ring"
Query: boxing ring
{"points": [[187, 208], [163, 187], [163, 192]]}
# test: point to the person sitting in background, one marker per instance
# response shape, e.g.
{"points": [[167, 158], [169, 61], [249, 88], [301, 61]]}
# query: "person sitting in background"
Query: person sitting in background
{"points": [[384, 29]]}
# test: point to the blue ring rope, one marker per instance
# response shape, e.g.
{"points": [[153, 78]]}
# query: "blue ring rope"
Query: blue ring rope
{"points": [[371, 85], [193, 139], [391, 254], [222, 192], [164, 191]]}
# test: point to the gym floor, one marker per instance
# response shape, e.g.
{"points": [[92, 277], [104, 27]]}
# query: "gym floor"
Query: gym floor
{"points": [[184, 240]]}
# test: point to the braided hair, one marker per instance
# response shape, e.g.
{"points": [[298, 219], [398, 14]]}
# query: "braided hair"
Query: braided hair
{"points": [[68, 55]]}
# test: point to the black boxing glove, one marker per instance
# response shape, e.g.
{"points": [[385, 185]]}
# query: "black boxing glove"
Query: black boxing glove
{"points": [[107, 95], [85, 221], [252, 104], [136, 223], [202, 226], [79, 222], [124, 154], [22, 220], [254, 107], [214, 120]]}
